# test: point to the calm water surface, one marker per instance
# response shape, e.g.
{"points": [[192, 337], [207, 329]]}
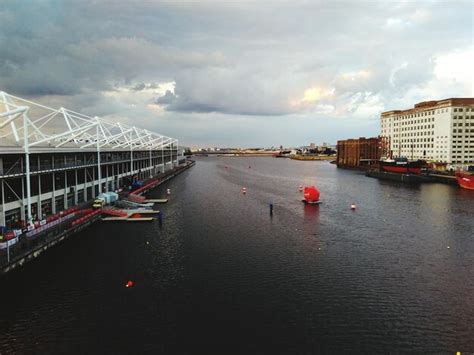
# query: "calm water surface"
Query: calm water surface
{"points": [[223, 276]]}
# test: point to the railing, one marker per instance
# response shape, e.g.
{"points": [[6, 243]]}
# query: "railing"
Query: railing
{"points": [[27, 245]]}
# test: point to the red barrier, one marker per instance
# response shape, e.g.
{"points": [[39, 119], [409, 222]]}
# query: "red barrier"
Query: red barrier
{"points": [[136, 198], [118, 213], [9, 235], [85, 210]]}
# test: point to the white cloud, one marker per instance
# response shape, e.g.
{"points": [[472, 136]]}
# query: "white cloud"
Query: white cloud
{"points": [[367, 106], [395, 23], [456, 67], [393, 72]]}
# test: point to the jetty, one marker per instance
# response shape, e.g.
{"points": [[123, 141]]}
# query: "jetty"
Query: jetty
{"points": [[156, 200], [131, 215]]}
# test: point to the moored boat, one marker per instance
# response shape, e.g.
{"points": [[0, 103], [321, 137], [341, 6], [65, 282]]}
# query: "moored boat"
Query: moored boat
{"points": [[282, 154], [401, 166], [465, 181]]}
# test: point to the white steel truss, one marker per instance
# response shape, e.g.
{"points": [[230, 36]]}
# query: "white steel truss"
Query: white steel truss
{"points": [[55, 128], [27, 124]]}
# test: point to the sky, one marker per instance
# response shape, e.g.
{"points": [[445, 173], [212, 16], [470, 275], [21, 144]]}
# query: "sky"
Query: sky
{"points": [[238, 73]]}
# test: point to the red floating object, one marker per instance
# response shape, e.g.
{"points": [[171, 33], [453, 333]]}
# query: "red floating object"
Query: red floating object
{"points": [[129, 284], [311, 194]]}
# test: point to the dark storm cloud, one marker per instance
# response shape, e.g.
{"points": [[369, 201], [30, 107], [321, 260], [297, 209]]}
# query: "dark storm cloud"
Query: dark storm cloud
{"points": [[66, 47], [167, 99]]}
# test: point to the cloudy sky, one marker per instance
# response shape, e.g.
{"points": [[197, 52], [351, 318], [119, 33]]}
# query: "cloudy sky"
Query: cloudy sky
{"points": [[240, 73]]}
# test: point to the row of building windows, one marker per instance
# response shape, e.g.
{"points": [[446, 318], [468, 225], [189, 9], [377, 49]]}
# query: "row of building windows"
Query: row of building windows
{"points": [[417, 134], [459, 109], [465, 131], [429, 119], [420, 114], [465, 146], [417, 127], [418, 140], [460, 124], [425, 145]]}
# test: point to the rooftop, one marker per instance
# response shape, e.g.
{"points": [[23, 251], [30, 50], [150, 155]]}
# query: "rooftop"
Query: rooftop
{"points": [[29, 126], [430, 105]]}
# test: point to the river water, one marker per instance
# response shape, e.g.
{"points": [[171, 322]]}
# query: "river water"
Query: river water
{"points": [[222, 276]]}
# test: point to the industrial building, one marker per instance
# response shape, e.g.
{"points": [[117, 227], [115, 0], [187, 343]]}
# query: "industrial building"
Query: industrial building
{"points": [[435, 131], [52, 159], [359, 153]]}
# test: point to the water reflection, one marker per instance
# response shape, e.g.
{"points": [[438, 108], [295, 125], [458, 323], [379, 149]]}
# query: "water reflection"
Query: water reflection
{"points": [[311, 226]]}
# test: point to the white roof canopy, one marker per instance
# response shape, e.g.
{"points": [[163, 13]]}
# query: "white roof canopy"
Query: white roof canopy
{"points": [[28, 124]]}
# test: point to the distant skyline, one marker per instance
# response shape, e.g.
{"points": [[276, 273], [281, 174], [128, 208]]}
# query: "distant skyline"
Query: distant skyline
{"points": [[238, 74]]}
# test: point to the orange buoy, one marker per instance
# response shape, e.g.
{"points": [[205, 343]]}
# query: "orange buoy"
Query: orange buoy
{"points": [[129, 284]]}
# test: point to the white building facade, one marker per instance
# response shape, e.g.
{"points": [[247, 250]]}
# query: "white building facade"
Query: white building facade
{"points": [[435, 131]]}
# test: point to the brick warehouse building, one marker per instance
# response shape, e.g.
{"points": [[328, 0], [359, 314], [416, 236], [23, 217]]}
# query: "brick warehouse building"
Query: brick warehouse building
{"points": [[359, 153]]}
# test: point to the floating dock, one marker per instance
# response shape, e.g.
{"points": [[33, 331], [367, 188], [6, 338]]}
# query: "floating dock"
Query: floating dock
{"points": [[146, 212], [127, 215], [443, 179], [156, 200], [141, 219], [407, 178], [413, 178], [128, 219]]}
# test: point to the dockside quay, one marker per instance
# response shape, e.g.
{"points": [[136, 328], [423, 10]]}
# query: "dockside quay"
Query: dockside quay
{"points": [[54, 160]]}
